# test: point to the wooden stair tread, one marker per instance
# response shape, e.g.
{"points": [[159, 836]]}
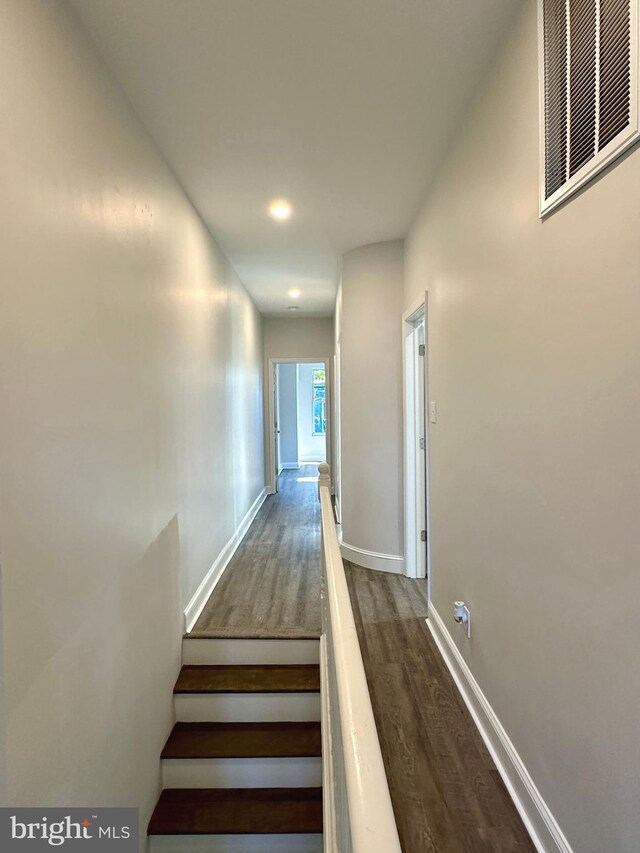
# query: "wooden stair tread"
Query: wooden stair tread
{"points": [[257, 678], [237, 811], [249, 633], [244, 740]]}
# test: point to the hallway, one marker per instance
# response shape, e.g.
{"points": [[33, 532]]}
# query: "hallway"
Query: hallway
{"points": [[271, 587], [239, 237]]}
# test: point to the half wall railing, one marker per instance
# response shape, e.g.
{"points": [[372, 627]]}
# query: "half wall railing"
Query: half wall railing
{"points": [[358, 815]]}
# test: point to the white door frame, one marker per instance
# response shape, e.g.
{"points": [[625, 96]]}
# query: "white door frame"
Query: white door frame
{"points": [[275, 470], [270, 426], [416, 460]]}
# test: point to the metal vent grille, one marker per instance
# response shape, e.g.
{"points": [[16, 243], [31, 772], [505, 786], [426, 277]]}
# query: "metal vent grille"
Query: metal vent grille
{"points": [[589, 93], [555, 94], [615, 69], [582, 83]]}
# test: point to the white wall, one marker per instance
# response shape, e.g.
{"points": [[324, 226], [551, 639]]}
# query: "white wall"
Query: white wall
{"points": [[298, 337], [535, 460], [371, 399], [131, 429], [288, 414], [312, 448]]}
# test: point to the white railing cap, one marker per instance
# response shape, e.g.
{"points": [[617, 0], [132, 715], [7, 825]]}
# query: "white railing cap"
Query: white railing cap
{"points": [[373, 827]]}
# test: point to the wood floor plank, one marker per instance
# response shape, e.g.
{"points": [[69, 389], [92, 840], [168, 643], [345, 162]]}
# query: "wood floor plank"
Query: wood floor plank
{"points": [[243, 811], [271, 587], [256, 678], [244, 740], [447, 795]]}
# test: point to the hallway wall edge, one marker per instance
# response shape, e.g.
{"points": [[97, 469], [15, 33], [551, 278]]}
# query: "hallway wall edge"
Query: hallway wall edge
{"points": [[201, 596]]}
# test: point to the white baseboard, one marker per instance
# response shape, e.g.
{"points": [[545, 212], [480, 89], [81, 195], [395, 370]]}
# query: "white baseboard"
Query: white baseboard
{"points": [[195, 606], [372, 560], [536, 815]]}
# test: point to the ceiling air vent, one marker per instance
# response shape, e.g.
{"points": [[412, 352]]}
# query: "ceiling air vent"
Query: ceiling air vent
{"points": [[589, 90]]}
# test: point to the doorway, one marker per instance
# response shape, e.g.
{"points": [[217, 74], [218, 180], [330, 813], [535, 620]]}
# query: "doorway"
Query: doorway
{"points": [[416, 441], [298, 417]]}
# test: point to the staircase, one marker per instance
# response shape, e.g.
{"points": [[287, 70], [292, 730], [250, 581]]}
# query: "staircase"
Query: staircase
{"points": [[242, 768]]}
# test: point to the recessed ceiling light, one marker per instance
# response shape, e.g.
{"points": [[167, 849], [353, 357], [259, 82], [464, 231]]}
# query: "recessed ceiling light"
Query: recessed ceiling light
{"points": [[294, 307], [294, 293], [280, 209]]}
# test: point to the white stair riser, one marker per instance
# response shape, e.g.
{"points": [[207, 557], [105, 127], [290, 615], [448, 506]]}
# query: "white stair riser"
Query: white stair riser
{"points": [[247, 707], [235, 844], [242, 773], [250, 651]]}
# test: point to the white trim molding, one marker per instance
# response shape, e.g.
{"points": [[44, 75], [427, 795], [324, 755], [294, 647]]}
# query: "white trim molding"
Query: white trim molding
{"points": [[416, 441], [338, 511], [372, 560], [535, 813], [201, 596], [328, 771]]}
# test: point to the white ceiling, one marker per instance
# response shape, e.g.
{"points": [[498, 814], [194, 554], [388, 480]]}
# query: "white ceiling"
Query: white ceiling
{"points": [[343, 107]]}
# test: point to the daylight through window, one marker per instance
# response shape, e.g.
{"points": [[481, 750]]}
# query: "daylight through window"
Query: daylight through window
{"points": [[319, 403]]}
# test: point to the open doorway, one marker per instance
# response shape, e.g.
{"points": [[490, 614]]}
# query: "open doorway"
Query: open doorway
{"points": [[298, 415], [416, 441]]}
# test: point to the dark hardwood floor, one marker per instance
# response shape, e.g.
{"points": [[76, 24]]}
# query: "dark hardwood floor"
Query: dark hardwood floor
{"points": [[249, 678], [246, 811], [271, 587], [447, 795], [244, 740]]}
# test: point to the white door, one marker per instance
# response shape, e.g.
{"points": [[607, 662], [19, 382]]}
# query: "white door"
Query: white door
{"points": [[276, 430]]}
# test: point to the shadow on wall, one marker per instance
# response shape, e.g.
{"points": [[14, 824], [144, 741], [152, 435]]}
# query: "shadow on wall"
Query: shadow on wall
{"points": [[119, 663]]}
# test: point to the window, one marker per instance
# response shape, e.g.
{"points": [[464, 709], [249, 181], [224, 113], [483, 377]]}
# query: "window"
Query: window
{"points": [[589, 91], [319, 403]]}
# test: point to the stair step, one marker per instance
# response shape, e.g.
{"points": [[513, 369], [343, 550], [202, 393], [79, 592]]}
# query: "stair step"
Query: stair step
{"points": [[246, 707], [244, 811], [241, 772], [274, 843], [244, 740], [257, 678], [206, 650]]}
